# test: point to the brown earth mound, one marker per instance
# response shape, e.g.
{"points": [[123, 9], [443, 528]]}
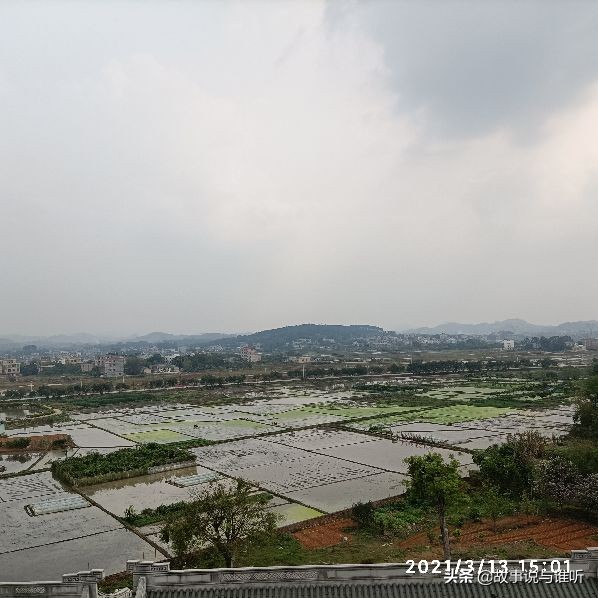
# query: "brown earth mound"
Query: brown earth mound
{"points": [[15, 444]]}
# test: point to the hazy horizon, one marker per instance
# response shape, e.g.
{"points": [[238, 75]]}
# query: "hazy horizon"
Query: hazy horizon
{"points": [[242, 166], [125, 335]]}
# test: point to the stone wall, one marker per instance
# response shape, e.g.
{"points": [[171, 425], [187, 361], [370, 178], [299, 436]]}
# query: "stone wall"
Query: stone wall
{"points": [[73, 585]]}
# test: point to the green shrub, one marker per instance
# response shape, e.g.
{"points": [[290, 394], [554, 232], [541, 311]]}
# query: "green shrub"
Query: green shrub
{"points": [[474, 513], [398, 522], [138, 459], [18, 443], [149, 516], [363, 514], [582, 453]]}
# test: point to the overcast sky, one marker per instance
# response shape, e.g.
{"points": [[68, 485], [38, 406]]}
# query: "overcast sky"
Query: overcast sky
{"points": [[220, 166]]}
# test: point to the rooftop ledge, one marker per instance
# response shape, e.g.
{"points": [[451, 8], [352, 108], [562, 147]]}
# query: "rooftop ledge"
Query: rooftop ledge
{"points": [[159, 574], [150, 576]]}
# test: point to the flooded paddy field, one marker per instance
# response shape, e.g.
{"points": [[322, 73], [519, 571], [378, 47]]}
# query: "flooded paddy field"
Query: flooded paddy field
{"points": [[315, 438], [308, 472], [243, 454], [16, 462], [388, 455], [313, 448], [342, 495], [143, 492], [44, 545]]}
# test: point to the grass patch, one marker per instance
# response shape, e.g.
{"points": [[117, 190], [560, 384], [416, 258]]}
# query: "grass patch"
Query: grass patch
{"points": [[284, 549], [293, 513], [460, 413]]}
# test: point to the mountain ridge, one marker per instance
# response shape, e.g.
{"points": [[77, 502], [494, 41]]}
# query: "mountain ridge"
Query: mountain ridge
{"points": [[512, 325]]}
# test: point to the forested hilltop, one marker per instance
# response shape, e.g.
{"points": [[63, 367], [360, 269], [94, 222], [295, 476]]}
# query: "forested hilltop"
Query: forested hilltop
{"points": [[314, 333]]}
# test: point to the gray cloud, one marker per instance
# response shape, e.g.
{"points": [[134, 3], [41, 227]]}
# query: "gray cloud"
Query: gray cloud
{"points": [[233, 166], [476, 66]]}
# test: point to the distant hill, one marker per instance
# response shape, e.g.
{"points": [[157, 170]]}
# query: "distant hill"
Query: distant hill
{"points": [[316, 333], [515, 326], [7, 344], [56, 340], [12, 342], [161, 337]]}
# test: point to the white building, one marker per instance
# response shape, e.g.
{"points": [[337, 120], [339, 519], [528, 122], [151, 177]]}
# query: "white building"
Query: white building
{"points": [[250, 354], [300, 359], [10, 367], [164, 368], [508, 345], [111, 366]]}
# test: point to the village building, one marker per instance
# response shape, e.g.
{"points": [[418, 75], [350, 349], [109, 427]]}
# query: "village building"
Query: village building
{"points": [[111, 366], [251, 354], [9, 367]]}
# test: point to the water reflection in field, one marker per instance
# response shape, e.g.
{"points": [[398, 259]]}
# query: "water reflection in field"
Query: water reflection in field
{"points": [[149, 491], [12, 463]]}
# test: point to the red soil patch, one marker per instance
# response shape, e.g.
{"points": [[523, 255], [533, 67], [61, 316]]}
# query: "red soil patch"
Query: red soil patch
{"points": [[325, 534], [558, 534], [37, 443]]}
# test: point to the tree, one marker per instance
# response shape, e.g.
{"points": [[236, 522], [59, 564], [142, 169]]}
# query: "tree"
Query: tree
{"points": [[510, 466], [436, 484], [495, 503], [155, 359], [557, 479], [587, 492], [528, 506], [29, 369], [134, 366], [586, 415], [45, 391], [224, 518]]}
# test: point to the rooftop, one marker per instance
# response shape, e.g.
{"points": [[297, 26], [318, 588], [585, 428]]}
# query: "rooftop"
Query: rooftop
{"points": [[395, 580]]}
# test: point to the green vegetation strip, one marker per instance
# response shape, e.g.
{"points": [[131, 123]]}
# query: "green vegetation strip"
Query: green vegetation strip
{"points": [[39, 420], [149, 516], [442, 415], [95, 468]]}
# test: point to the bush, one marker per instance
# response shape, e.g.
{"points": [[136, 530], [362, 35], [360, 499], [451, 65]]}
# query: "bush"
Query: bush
{"points": [[398, 522], [582, 453], [18, 443], [149, 516], [474, 513], [510, 466], [139, 459], [363, 514]]}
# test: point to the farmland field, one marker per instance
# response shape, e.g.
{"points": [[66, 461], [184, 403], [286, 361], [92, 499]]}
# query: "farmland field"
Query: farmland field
{"points": [[161, 436], [316, 449]]}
